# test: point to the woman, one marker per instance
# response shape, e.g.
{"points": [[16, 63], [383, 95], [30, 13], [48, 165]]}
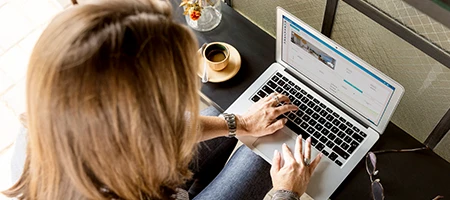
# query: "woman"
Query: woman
{"points": [[113, 112]]}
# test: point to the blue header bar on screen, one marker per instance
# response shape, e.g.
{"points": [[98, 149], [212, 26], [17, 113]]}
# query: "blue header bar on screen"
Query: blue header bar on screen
{"points": [[298, 28]]}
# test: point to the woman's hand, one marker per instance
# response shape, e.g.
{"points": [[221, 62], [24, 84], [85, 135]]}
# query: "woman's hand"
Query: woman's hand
{"points": [[260, 119], [295, 174]]}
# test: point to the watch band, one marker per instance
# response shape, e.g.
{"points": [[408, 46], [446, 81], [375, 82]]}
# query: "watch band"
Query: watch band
{"points": [[231, 123]]}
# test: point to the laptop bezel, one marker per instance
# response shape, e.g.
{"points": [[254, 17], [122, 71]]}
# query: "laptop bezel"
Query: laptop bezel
{"points": [[396, 96]]}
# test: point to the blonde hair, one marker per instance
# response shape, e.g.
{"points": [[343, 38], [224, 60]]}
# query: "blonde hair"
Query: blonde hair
{"points": [[112, 104]]}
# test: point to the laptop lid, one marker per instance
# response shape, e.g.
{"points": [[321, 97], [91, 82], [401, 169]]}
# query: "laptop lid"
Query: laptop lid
{"points": [[352, 84]]}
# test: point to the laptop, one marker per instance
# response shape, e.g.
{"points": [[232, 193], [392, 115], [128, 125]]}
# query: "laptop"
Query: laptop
{"points": [[344, 103]]}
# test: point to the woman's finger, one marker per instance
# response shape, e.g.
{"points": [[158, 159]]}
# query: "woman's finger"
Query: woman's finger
{"points": [[315, 162], [298, 150], [276, 162], [284, 109], [277, 125], [287, 154], [308, 149]]}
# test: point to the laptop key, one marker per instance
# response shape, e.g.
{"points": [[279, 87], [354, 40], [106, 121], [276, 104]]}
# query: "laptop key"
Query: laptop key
{"points": [[275, 78], [267, 89], [297, 102], [325, 152], [293, 91], [343, 126], [321, 120], [291, 116], [303, 107], [356, 129], [291, 98], [330, 144], [345, 146], [363, 134], [305, 100], [279, 74], [349, 124], [255, 98], [336, 115], [318, 127], [306, 118], [285, 93], [291, 83], [334, 129], [323, 139], [349, 131], [299, 113], [333, 156], [262, 93], [317, 134], [311, 104], [357, 137], [341, 134], [354, 144], [331, 136], [330, 117], [297, 87], [338, 141], [336, 122], [281, 82], [296, 129], [314, 141], [341, 152], [323, 105], [317, 108], [328, 125], [285, 79], [323, 113], [272, 84], [297, 121], [309, 96], [312, 122], [342, 119], [338, 162], [348, 139], [320, 146], [325, 131], [329, 110], [309, 111], [310, 130], [304, 125], [303, 92], [351, 149], [287, 87], [299, 95], [315, 116]]}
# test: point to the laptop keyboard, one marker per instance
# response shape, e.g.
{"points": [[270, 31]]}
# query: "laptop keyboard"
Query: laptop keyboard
{"points": [[330, 133]]}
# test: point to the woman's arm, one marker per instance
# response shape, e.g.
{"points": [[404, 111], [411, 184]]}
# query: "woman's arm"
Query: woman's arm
{"points": [[258, 121]]}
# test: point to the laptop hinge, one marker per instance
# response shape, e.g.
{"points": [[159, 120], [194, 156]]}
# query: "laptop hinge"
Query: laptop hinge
{"points": [[326, 97]]}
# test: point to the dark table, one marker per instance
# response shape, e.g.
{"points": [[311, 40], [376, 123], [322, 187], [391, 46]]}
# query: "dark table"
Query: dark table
{"points": [[416, 175]]}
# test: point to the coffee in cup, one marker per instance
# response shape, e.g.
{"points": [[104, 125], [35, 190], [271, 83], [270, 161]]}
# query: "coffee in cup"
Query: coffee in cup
{"points": [[217, 56]]}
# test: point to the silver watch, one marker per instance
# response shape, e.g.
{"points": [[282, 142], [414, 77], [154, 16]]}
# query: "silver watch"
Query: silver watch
{"points": [[231, 123]]}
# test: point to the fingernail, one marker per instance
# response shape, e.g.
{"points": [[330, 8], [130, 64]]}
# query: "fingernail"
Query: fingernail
{"points": [[299, 136], [320, 155], [309, 139], [284, 120], [284, 144]]}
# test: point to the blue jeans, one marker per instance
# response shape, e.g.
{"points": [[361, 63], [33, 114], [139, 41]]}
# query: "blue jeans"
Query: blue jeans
{"points": [[245, 176]]}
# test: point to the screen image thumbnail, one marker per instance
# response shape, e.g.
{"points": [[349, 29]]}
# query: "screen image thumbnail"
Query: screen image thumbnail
{"points": [[314, 51]]}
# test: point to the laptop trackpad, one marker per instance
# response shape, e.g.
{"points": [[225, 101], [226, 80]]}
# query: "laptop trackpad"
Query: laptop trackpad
{"points": [[268, 144]]}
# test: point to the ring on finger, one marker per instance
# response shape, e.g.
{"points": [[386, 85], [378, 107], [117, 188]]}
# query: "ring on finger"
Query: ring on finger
{"points": [[307, 162], [275, 97]]}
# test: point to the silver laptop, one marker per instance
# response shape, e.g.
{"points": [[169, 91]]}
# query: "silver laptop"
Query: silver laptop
{"points": [[344, 103]]}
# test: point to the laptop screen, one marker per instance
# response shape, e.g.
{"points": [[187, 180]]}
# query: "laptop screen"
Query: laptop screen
{"points": [[339, 75]]}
